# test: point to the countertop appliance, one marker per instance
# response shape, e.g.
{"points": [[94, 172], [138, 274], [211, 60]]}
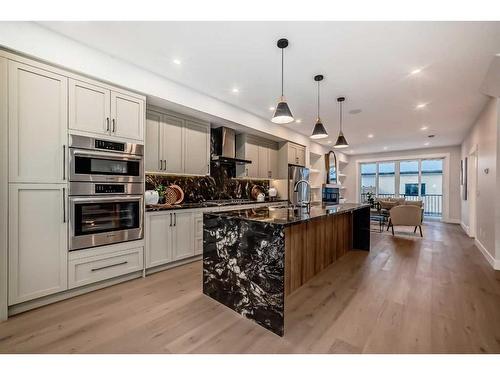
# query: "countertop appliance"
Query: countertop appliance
{"points": [[106, 192], [296, 174], [330, 195]]}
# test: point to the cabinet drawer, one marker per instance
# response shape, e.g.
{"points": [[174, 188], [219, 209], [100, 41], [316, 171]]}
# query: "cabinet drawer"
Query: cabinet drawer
{"points": [[101, 267]]}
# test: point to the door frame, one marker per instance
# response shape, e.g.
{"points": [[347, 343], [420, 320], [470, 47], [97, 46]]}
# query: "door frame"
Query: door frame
{"points": [[472, 169]]}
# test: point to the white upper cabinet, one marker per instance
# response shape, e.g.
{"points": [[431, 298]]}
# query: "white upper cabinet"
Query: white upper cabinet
{"points": [[197, 148], [89, 107], [176, 145], [296, 154], [263, 154], [127, 116], [152, 157], [105, 111], [38, 109], [172, 144], [37, 241]]}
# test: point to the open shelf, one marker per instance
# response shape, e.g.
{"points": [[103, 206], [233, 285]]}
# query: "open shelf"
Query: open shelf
{"points": [[313, 170]]}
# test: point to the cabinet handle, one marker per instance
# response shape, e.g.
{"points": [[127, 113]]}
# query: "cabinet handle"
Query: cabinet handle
{"points": [[165, 167], [107, 124], [159, 164], [114, 123], [64, 162], [208, 168], [64, 204], [175, 219], [109, 266], [170, 219]]}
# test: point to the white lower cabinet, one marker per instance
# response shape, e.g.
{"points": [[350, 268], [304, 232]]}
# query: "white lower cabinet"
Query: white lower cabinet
{"points": [[104, 262], [169, 236], [37, 241]]}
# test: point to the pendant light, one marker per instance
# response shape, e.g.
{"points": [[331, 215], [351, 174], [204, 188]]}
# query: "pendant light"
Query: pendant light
{"points": [[282, 113], [341, 141], [319, 130]]}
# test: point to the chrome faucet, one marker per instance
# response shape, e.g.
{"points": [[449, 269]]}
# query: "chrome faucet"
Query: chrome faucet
{"points": [[307, 203]]}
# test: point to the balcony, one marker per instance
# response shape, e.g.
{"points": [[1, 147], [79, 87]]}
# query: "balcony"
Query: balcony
{"points": [[433, 203]]}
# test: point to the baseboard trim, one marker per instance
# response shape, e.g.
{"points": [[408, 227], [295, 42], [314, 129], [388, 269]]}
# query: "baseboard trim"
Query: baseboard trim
{"points": [[465, 229], [168, 266], [490, 259], [39, 302], [450, 221]]}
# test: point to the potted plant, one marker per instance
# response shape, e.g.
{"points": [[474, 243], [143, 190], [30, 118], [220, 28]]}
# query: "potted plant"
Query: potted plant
{"points": [[160, 188]]}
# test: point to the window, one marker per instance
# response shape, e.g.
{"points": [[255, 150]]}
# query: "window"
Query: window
{"points": [[386, 178], [419, 179]]}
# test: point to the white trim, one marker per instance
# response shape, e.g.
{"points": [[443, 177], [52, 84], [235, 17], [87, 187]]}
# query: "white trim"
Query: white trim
{"points": [[447, 220], [3, 191], [446, 173], [492, 261], [465, 228]]}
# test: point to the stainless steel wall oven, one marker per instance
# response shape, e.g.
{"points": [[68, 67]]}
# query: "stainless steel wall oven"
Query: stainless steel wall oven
{"points": [[106, 203]]}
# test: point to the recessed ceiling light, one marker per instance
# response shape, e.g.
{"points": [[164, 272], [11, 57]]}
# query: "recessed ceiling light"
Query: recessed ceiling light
{"points": [[416, 71], [385, 147], [421, 105], [272, 108], [298, 120], [370, 135], [235, 90], [425, 127], [426, 143], [176, 61]]}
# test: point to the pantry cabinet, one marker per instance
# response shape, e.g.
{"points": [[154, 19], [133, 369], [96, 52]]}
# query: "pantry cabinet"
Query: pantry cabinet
{"points": [[104, 111], [263, 154], [37, 240], [176, 145], [37, 121]]}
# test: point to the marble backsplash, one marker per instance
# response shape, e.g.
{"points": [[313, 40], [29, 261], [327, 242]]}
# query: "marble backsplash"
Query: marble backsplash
{"points": [[203, 188]]}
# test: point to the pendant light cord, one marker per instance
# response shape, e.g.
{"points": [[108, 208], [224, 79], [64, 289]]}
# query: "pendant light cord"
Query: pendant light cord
{"points": [[282, 77], [341, 117], [318, 100]]}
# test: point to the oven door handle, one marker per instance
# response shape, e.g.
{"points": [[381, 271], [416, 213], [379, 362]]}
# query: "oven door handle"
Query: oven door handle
{"points": [[106, 155], [121, 198]]}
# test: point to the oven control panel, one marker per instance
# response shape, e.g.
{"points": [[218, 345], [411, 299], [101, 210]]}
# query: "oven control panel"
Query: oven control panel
{"points": [[109, 189], [107, 145]]}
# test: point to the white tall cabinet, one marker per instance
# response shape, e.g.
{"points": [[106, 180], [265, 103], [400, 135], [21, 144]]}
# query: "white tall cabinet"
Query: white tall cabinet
{"points": [[38, 109], [37, 241]]}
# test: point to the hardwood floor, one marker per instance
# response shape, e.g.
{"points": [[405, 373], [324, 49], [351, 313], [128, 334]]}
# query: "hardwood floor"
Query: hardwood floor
{"points": [[408, 295]]}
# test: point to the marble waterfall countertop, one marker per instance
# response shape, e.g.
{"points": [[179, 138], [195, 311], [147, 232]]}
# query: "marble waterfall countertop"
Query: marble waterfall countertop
{"points": [[288, 215]]}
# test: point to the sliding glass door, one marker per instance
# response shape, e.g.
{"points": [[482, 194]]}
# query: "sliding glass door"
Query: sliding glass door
{"points": [[418, 179]]}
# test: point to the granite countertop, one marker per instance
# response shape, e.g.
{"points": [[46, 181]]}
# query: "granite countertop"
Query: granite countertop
{"points": [[288, 215], [208, 204]]}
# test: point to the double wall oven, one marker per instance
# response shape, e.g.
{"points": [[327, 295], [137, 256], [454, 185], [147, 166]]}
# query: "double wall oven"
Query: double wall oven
{"points": [[106, 192]]}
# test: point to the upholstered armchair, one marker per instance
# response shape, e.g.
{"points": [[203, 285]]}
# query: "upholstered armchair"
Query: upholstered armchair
{"points": [[406, 215]]}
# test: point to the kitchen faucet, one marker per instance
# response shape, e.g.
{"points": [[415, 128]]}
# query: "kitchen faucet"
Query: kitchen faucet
{"points": [[307, 203]]}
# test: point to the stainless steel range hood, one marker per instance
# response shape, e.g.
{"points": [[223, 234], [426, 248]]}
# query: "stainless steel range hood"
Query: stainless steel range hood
{"points": [[224, 146]]}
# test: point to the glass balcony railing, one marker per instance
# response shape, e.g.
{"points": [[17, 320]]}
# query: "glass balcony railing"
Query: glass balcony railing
{"points": [[433, 203]]}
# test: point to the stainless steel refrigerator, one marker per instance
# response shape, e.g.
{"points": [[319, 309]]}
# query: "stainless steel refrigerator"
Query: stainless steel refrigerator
{"points": [[296, 174]]}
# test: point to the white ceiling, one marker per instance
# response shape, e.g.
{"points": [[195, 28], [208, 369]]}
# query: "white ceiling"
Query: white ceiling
{"points": [[368, 62]]}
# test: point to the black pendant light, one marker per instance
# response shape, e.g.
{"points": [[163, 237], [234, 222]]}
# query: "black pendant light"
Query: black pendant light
{"points": [[341, 141], [282, 113], [319, 130]]}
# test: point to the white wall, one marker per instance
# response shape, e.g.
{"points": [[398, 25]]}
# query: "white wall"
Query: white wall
{"points": [[453, 174], [484, 136]]}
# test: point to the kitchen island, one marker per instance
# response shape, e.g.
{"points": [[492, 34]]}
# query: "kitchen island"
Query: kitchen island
{"points": [[253, 259]]}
